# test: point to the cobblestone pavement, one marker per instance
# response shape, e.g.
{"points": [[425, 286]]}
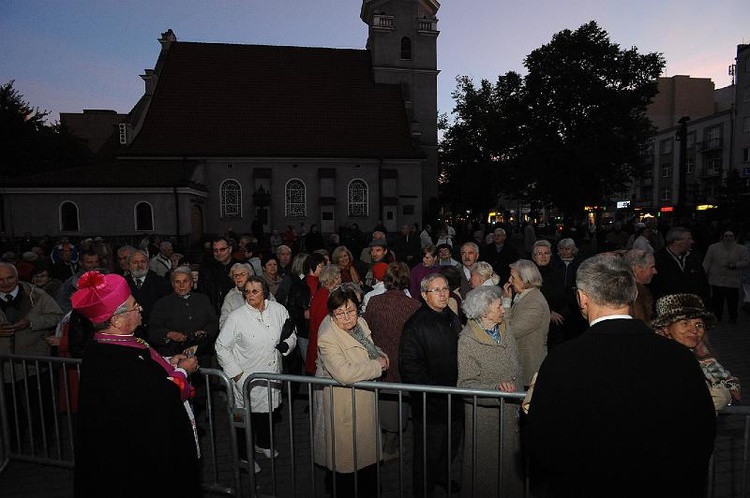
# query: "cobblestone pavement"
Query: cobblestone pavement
{"points": [[730, 341]]}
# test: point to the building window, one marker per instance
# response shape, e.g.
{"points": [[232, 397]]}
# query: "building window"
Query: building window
{"points": [[689, 161], [746, 124], [295, 199], [144, 217], [713, 164], [690, 140], [714, 137], [231, 199], [666, 194], [746, 155], [666, 146], [666, 170], [357, 198], [406, 48], [68, 217]]}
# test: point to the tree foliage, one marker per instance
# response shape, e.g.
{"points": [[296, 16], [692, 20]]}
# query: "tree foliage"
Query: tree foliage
{"points": [[28, 144], [569, 133]]}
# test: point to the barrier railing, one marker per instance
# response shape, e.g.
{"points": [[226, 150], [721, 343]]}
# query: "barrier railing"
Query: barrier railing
{"points": [[37, 422]]}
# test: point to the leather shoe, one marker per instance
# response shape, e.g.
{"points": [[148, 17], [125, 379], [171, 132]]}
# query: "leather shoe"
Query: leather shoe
{"points": [[266, 452]]}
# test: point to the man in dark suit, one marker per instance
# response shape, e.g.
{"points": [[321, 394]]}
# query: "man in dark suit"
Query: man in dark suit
{"points": [[619, 411], [146, 286], [500, 254], [407, 246], [679, 269]]}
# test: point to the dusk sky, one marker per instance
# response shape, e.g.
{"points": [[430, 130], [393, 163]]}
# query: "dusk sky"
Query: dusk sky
{"points": [[70, 55]]}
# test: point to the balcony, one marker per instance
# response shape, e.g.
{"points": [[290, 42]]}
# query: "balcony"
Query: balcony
{"points": [[382, 22], [427, 26]]}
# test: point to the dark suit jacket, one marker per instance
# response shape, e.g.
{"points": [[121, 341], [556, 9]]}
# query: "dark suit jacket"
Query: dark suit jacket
{"points": [[499, 259], [153, 288], [621, 411]]}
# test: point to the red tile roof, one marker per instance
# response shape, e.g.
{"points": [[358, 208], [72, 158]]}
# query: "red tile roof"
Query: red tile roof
{"points": [[256, 100]]}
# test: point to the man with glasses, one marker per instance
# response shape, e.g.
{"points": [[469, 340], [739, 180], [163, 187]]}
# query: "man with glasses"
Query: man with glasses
{"points": [[428, 354], [213, 277]]}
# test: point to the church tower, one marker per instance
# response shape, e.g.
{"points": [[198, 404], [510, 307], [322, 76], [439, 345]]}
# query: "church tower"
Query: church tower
{"points": [[402, 41]]}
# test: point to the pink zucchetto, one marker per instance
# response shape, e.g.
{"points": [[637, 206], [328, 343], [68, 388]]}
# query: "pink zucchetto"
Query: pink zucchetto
{"points": [[99, 295]]}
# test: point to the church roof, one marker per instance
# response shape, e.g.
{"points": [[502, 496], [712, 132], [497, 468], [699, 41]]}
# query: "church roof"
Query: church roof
{"points": [[115, 174], [227, 100]]}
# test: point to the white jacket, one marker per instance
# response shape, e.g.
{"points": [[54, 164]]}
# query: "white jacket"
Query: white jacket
{"points": [[247, 344]]}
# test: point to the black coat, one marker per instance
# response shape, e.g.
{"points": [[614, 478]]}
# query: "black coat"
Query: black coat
{"points": [[134, 435], [428, 354], [671, 279], [153, 288], [621, 411], [214, 281]]}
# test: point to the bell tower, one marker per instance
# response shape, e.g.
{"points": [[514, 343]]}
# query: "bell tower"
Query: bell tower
{"points": [[402, 41]]}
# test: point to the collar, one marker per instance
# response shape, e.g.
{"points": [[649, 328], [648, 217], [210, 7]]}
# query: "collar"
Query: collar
{"points": [[14, 292], [610, 317]]}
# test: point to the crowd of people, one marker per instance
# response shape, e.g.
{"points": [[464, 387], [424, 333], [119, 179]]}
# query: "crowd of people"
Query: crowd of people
{"points": [[416, 307]]}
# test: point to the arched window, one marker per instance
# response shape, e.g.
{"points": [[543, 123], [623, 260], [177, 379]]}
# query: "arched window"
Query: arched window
{"points": [[69, 217], [231, 199], [295, 199], [406, 48], [144, 217], [357, 198]]}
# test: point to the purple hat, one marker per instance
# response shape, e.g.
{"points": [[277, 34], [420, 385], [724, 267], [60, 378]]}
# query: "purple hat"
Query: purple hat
{"points": [[98, 295]]}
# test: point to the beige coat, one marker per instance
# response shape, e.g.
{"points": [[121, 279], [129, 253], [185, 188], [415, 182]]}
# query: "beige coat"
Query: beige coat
{"points": [[528, 321], [344, 359], [717, 263]]}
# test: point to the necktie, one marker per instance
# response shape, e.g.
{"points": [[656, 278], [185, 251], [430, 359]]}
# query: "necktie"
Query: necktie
{"points": [[8, 298], [138, 283]]}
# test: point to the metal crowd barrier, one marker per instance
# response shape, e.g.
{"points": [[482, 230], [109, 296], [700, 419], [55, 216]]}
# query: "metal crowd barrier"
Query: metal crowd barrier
{"points": [[36, 426]]}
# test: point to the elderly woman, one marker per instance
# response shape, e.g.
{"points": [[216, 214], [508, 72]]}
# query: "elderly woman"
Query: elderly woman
{"points": [[343, 258], [346, 444], [253, 339], [483, 274], [488, 359], [329, 277], [132, 400], [386, 314], [528, 316], [429, 264], [683, 318]]}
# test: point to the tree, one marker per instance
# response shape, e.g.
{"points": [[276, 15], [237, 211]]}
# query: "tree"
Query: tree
{"points": [[28, 144], [569, 133]]}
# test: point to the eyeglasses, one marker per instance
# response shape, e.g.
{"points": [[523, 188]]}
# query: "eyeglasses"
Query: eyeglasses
{"points": [[242, 274], [253, 291], [345, 314], [542, 254], [136, 307], [220, 249], [440, 290]]}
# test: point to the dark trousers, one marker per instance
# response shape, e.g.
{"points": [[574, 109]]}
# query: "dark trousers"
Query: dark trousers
{"points": [[721, 294], [435, 440]]}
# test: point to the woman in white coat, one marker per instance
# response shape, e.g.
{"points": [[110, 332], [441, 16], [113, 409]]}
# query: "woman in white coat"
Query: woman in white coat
{"points": [[252, 341], [347, 354]]}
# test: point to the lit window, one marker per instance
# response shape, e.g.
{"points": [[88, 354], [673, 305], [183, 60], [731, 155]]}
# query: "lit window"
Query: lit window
{"points": [[357, 198]]}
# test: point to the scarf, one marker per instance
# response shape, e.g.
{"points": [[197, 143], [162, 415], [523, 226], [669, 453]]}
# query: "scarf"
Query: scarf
{"points": [[359, 334]]}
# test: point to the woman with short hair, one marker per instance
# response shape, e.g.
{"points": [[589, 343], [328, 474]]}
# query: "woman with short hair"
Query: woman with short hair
{"points": [[488, 359], [528, 316]]}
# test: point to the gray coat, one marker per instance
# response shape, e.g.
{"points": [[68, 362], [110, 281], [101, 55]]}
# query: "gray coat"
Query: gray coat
{"points": [[483, 364]]}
